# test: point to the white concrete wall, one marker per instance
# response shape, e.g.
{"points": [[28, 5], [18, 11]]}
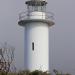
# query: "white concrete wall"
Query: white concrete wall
{"points": [[38, 59]]}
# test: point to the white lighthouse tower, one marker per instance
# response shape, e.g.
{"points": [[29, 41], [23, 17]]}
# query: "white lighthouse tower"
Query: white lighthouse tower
{"points": [[36, 23]]}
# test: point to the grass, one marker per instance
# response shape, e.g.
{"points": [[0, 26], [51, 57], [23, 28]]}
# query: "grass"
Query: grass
{"points": [[30, 73], [25, 73]]}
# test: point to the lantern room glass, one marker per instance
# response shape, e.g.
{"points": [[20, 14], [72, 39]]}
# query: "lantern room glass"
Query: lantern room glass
{"points": [[36, 8]]}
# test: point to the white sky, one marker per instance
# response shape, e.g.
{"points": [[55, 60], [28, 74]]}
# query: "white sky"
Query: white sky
{"points": [[62, 35]]}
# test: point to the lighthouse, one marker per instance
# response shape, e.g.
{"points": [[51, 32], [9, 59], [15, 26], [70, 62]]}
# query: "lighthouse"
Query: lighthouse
{"points": [[36, 22]]}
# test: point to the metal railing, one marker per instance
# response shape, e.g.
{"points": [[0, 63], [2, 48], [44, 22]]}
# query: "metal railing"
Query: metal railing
{"points": [[26, 16]]}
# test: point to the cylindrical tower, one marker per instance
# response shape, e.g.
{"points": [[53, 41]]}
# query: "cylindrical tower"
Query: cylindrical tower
{"points": [[36, 23]]}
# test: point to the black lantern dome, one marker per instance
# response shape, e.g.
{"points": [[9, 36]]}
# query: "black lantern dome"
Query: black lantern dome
{"points": [[36, 2]]}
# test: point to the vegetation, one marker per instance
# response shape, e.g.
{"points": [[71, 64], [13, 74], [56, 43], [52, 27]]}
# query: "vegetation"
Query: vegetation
{"points": [[32, 73], [59, 73]]}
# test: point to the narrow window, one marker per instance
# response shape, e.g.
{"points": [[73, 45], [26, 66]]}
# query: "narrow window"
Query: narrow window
{"points": [[33, 46]]}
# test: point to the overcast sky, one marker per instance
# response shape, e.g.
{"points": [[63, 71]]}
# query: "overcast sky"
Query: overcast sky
{"points": [[62, 35]]}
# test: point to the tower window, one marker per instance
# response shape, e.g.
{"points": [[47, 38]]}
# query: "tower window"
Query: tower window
{"points": [[33, 46]]}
